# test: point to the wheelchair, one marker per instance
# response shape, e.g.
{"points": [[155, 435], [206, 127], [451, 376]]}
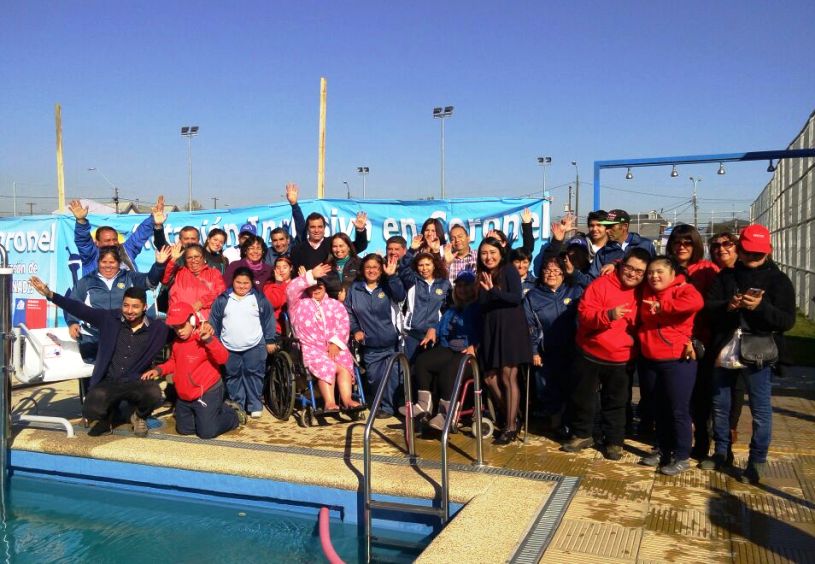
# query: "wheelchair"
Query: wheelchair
{"points": [[290, 389]]}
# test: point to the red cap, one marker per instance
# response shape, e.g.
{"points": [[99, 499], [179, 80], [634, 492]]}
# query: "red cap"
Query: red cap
{"points": [[179, 314], [755, 239]]}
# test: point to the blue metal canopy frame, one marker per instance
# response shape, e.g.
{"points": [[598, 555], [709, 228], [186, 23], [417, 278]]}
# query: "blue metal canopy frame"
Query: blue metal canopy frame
{"points": [[692, 159]]}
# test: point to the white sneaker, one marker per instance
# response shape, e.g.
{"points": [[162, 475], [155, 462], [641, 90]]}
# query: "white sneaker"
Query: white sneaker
{"points": [[256, 414]]}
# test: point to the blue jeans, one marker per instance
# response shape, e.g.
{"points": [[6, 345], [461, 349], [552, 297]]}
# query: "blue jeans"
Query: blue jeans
{"points": [[245, 371], [671, 385], [758, 386]]}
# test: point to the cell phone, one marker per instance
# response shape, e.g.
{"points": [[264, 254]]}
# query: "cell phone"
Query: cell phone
{"points": [[754, 292]]}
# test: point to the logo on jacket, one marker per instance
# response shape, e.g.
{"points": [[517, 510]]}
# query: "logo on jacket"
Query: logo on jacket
{"points": [[439, 291], [567, 301], [121, 285], [380, 295]]}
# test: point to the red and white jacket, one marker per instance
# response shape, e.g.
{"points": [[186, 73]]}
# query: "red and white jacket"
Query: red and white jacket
{"points": [[195, 365], [664, 332], [597, 335]]}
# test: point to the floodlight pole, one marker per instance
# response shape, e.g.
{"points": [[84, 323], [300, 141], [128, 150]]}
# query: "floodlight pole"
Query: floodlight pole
{"points": [[189, 131], [442, 113]]}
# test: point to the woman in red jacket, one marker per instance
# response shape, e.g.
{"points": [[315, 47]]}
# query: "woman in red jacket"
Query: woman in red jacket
{"points": [[607, 317], [195, 361], [686, 248], [275, 291], [195, 283], [669, 306]]}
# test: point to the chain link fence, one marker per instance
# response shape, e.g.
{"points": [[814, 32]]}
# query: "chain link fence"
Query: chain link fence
{"points": [[787, 207]]}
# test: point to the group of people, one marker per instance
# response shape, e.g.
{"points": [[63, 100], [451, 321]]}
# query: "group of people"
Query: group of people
{"points": [[588, 314]]}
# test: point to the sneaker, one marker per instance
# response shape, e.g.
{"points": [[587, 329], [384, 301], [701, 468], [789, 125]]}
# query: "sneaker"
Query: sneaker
{"points": [[256, 414], [715, 462], [653, 459], [139, 425], [101, 427], [576, 444], [675, 467], [242, 416], [752, 474], [614, 452]]}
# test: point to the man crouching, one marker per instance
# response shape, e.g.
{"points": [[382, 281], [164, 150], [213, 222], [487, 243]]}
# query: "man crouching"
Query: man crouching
{"points": [[194, 363], [128, 343]]}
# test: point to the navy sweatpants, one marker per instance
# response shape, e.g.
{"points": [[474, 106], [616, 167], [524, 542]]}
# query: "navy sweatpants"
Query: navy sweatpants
{"points": [[207, 417], [672, 383]]}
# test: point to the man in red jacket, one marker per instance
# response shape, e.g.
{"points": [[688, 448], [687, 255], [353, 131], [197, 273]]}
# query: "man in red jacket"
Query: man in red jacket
{"points": [[606, 328], [195, 363]]}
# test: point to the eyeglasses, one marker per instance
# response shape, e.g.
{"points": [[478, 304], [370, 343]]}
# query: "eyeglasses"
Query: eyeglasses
{"points": [[683, 243], [553, 272], [195, 257], [722, 245], [628, 269]]}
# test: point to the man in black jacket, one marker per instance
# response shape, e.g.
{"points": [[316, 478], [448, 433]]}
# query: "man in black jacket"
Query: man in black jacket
{"points": [[315, 248], [128, 343], [758, 298]]}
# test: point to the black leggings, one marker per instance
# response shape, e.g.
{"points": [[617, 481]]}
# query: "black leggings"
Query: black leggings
{"points": [[436, 370]]}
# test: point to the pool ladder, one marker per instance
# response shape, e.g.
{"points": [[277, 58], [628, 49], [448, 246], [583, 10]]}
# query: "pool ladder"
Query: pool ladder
{"points": [[443, 511]]}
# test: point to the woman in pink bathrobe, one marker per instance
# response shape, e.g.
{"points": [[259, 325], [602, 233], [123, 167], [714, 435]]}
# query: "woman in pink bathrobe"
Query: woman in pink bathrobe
{"points": [[321, 325]]}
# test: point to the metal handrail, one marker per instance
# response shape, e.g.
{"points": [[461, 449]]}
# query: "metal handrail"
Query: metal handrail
{"points": [[448, 422], [6, 369], [410, 436]]}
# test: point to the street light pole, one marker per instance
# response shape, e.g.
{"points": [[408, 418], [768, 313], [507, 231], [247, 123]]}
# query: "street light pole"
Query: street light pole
{"points": [[576, 192], [115, 189], [347, 189], [363, 172], [189, 131], [442, 114], [544, 162], [694, 200]]}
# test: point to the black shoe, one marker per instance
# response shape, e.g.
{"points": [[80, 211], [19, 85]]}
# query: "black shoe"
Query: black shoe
{"points": [[753, 473], [576, 444], [506, 437], [101, 427], [383, 415]]}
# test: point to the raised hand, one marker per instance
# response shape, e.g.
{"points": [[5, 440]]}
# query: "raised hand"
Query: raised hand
{"points": [[526, 216], [206, 332], [569, 265], [361, 220], [320, 270], [80, 213], [390, 266], [416, 242], [491, 234], [159, 217], [164, 254], [301, 271], [292, 191], [41, 287], [537, 360], [448, 253], [434, 245], [176, 251], [558, 232], [619, 311], [486, 281]]}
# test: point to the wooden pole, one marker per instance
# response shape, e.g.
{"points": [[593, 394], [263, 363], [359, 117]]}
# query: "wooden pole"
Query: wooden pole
{"points": [[321, 142], [60, 164]]}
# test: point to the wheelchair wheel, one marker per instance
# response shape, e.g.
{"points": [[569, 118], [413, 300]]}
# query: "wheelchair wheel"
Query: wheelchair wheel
{"points": [[281, 385], [487, 428]]}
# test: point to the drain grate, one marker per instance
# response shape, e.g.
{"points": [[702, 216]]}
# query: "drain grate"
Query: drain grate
{"points": [[537, 539]]}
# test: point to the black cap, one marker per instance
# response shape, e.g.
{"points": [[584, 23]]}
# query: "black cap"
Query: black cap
{"points": [[616, 216]]}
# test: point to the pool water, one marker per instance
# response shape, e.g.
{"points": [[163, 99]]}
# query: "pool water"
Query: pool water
{"points": [[54, 521]]}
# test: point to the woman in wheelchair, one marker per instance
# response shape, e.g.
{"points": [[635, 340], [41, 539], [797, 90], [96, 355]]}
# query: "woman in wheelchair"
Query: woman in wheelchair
{"points": [[457, 333], [321, 325], [104, 288], [373, 306]]}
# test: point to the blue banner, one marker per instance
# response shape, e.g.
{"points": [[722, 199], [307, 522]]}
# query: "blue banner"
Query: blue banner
{"points": [[44, 245]]}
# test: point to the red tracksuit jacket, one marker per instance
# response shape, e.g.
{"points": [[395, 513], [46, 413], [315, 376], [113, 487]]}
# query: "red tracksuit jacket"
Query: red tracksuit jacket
{"points": [[663, 334], [597, 335], [195, 365]]}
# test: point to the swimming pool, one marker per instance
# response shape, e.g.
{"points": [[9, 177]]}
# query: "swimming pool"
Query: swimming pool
{"points": [[70, 509]]}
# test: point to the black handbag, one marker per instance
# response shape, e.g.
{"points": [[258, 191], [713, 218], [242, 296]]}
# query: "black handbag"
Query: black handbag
{"points": [[756, 350]]}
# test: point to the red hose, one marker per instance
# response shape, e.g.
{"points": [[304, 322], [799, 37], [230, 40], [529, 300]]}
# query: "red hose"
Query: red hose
{"points": [[325, 538]]}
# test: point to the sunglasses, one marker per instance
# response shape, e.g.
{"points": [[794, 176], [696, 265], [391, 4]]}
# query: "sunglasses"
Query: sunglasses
{"points": [[722, 245], [683, 243]]}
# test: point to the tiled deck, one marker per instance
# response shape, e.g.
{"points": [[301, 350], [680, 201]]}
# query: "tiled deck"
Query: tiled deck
{"points": [[622, 512]]}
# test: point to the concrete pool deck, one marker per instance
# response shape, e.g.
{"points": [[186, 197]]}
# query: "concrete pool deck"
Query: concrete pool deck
{"points": [[621, 512]]}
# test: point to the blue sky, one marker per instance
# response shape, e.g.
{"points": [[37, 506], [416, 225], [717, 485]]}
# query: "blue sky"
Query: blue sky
{"points": [[578, 81]]}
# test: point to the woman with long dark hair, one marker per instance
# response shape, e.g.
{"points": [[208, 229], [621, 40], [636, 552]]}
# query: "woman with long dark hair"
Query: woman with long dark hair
{"points": [[501, 351], [426, 289], [343, 261]]}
